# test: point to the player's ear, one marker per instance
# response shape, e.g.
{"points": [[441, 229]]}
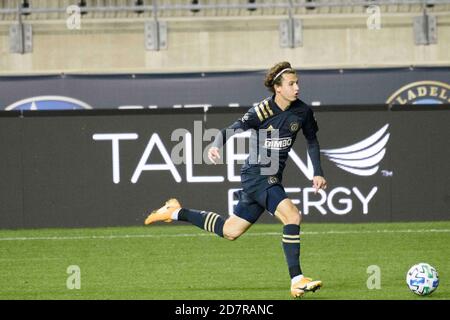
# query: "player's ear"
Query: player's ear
{"points": [[276, 88]]}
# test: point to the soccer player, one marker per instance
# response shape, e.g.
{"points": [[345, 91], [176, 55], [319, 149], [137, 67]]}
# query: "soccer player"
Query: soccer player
{"points": [[275, 123]]}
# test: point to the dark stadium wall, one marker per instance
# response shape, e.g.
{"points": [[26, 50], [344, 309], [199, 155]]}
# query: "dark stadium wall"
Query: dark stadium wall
{"points": [[92, 168], [325, 87], [11, 181]]}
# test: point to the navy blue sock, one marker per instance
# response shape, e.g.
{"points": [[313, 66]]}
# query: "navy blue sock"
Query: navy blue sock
{"points": [[291, 247], [208, 221]]}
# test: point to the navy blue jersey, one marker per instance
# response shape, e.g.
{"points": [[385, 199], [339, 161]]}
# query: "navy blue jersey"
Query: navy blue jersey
{"points": [[273, 132]]}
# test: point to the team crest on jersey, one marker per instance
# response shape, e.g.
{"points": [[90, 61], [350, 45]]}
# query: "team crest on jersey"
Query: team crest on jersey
{"points": [[272, 180], [294, 126]]}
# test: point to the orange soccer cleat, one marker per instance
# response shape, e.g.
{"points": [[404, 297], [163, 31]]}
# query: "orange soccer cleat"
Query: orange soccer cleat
{"points": [[164, 213], [299, 288]]}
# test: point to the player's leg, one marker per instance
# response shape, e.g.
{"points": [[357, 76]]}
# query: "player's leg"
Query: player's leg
{"points": [[234, 227], [291, 218], [230, 228], [246, 213], [172, 210]]}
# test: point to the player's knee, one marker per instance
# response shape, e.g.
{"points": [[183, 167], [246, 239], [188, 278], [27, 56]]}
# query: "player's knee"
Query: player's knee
{"points": [[229, 237], [293, 218], [231, 234]]}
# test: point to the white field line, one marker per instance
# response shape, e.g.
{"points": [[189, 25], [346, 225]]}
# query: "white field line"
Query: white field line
{"points": [[250, 234]]}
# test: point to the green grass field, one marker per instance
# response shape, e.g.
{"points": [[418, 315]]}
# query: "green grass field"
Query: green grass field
{"points": [[184, 262]]}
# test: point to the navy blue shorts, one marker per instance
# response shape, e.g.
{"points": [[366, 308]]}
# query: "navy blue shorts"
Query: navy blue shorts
{"points": [[250, 209]]}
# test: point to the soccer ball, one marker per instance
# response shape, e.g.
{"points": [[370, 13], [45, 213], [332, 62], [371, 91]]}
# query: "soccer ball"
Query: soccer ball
{"points": [[422, 279]]}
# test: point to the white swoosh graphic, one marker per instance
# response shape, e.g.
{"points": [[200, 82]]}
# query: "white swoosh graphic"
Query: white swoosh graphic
{"points": [[364, 163], [360, 172], [374, 149], [362, 144], [361, 158]]}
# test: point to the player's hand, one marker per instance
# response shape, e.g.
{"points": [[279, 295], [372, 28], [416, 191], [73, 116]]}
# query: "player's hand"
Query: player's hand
{"points": [[213, 154], [319, 183]]}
